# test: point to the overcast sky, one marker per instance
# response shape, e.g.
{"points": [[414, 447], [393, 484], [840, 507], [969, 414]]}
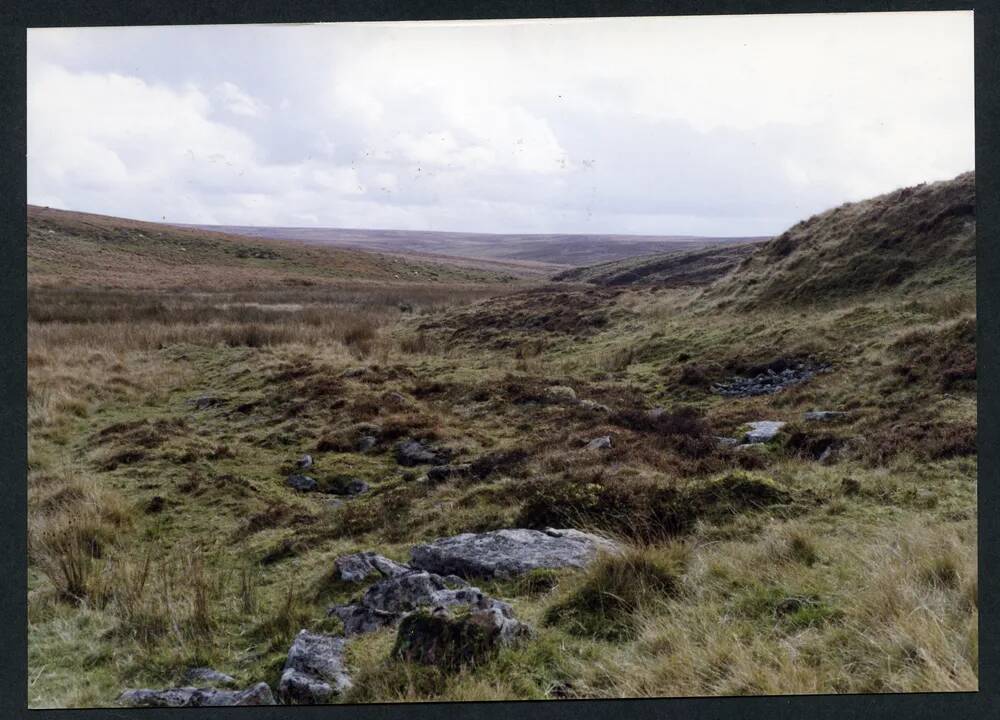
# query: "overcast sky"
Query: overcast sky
{"points": [[701, 125]]}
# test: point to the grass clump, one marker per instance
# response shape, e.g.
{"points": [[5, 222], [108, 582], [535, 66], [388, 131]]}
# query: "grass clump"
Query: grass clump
{"points": [[609, 599]]}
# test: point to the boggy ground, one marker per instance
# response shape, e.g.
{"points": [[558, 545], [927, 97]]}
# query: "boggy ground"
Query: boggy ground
{"points": [[163, 535]]}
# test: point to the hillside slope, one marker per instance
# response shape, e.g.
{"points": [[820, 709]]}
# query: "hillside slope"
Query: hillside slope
{"points": [[683, 267], [909, 240], [98, 251]]}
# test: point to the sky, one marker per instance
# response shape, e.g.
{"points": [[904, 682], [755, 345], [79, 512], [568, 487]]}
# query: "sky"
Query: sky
{"points": [[727, 125]]}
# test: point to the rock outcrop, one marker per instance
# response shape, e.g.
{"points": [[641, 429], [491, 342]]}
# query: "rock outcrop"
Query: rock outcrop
{"points": [[359, 566], [314, 672], [506, 553], [259, 694], [763, 431]]}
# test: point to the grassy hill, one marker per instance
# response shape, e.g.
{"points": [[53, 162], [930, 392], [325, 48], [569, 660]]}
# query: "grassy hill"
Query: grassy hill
{"points": [[701, 266], [910, 241], [97, 251]]}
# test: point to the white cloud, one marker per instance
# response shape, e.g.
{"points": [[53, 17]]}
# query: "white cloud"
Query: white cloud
{"points": [[719, 125]]}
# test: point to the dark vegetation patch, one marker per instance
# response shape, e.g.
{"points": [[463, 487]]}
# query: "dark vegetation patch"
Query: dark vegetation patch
{"points": [[924, 439], [543, 310], [641, 510], [942, 357]]}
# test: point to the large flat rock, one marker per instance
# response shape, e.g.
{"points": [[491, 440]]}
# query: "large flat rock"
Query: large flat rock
{"points": [[314, 672], [506, 553]]}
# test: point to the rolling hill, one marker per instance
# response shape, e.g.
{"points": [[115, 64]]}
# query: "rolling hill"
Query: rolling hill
{"points": [[98, 251], [552, 252]]}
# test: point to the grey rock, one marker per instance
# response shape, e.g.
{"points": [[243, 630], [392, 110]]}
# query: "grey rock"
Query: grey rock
{"points": [[358, 566], [302, 483], [355, 372], [314, 672], [207, 677], [259, 694], [560, 394], [599, 443], [594, 406], [506, 553], [824, 415], [763, 431], [727, 441], [305, 462], [345, 485], [387, 601], [414, 452], [769, 381], [203, 402], [366, 443], [440, 473]]}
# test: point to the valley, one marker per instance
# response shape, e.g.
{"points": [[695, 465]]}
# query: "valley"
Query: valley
{"points": [[727, 468]]}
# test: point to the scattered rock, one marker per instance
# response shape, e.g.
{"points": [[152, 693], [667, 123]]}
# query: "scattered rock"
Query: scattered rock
{"points": [[414, 452], [440, 473], [366, 443], [824, 415], [599, 443], [505, 553], [358, 566], [314, 671], [305, 462], [302, 483], [345, 485], [203, 402], [451, 641], [259, 694], [727, 441], [763, 431], [780, 375], [594, 406], [207, 677], [560, 394], [355, 372], [387, 601]]}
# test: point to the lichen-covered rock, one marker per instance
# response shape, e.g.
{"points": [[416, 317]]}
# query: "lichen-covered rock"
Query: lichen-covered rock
{"points": [[344, 485], [387, 601], [454, 640], [506, 553], [208, 677], [413, 452], [259, 694], [600, 443], [358, 566], [824, 415], [560, 394], [763, 431], [302, 483], [314, 672]]}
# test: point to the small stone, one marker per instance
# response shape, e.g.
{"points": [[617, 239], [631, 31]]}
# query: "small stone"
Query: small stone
{"points": [[302, 483], [594, 406], [345, 485], [203, 402], [366, 443], [413, 452], [727, 441], [305, 462], [824, 415], [560, 394], [599, 443]]}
